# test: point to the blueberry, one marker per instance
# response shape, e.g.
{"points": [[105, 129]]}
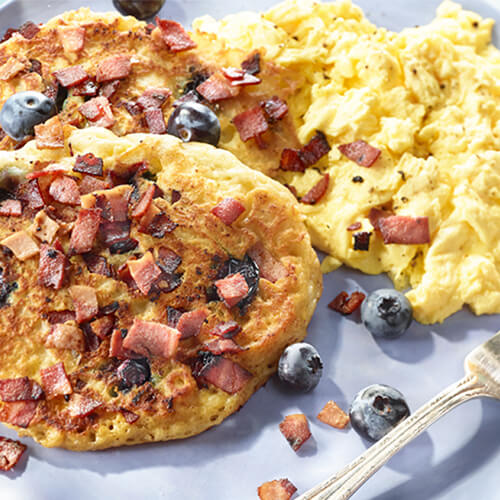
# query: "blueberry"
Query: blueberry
{"points": [[192, 121], [300, 366], [142, 9], [386, 313], [133, 372], [22, 111], [376, 410]]}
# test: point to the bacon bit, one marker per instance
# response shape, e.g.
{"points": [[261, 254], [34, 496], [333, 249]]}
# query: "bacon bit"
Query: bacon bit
{"points": [[29, 29], [51, 170], [12, 208], [89, 164], [8, 34], [50, 135], [124, 174], [129, 416], [217, 88], [360, 152], [64, 336], [115, 234], [19, 413], [52, 267], [168, 260], [155, 121], [98, 111], [317, 191], [133, 108], [376, 214], [298, 160], [295, 428], [174, 35], [189, 324], [346, 304], [21, 244], [98, 264], [19, 389], [36, 66], [71, 76], [71, 38], [240, 77], [150, 338], [290, 160], [81, 406], [292, 189], [85, 230], [116, 349], [274, 108], [354, 226], [114, 68], [251, 64], [332, 415], [405, 230], [145, 272], [281, 489], [12, 68], [251, 123], [114, 203], [55, 381], [157, 224], [228, 210], [226, 330], [153, 98], [102, 327], [10, 453], [65, 190], [90, 184], [84, 302], [175, 196], [109, 89], [86, 89], [362, 240], [232, 289], [221, 346], [270, 268], [55, 317], [44, 228], [143, 205]]}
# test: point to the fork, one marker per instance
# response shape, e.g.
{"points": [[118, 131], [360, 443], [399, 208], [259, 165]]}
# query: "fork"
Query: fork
{"points": [[482, 367]]}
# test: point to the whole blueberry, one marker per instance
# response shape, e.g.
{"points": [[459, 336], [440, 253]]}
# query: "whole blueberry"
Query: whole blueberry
{"points": [[22, 111], [376, 410], [192, 121], [133, 372], [386, 313], [142, 9], [300, 366]]}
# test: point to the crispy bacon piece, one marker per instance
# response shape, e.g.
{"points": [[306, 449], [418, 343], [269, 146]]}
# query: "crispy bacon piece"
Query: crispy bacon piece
{"points": [[362, 240], [21, 244], [150, 338], [44, 228], [116, 349], [232, 289], [251, 64], [354, 226], [85, 230], [295, 428], [87, 89], [174, 35], [50, 171], [55, 317], [155, 121], [29, 30], [10, 453], [360, 152], [405, 230], [129, 416], [228, 210], [251, 123], [221, 346], [12, 68], [98, 264], [52, 267], [175, 196], [90, 184], [89, 164], [50, 135], [226, 330], [64, 336], [156, 223], [281, 489], [85, 302], [298, 160], [145, 272], [332, 415], [239, 77], [71, 76], [65, 190], [72, 38], [153, 98], [55, 381], [102, 327], [290, 160], [346, 304], [217, 88], [270, 268], [19, 389], [8, 34], [81, 406], [108, 90], [189, 324], [376, 214], [132, 107], [30, 195], [274, 108], [317, 191], [98, 111], [18, 413], [116, 237], [114, 68], [11, 208], [168, 260], [114, 203]]}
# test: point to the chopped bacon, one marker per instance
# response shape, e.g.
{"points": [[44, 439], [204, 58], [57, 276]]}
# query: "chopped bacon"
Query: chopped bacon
{"points": [[64, 336], [150, 338], [124, 174], [362, 240], [98, 264], [274, 108], [10, 453], [102, 327], [71, 76], [153, 98], [270, 268], [19, 389], [346, 304], [360, 152], [405, 230], [228, 210], [295, 428], [36, 66], [50, 171], [376, 214], [114, 203], [221, 346], [115, 235], [189, 324], [155, 121], [354, 226], [226, 330], [251, 64], [232, 289], [290, 160], [332, 415], [21, 244], [12, 68], [85, 302], [281, 489], [71, 38], [90, 184], [44, 228], [87, 89], [317, 191], [116, 349], [55, 381], [114, 68], [129, 416], [29, 29], [175, 196], [168, 260], [109, 89], [98, 111], [157, 224], [174, 35], [132, 107], [8, 34], [217, 88], [18, 413], [11, 208], [52, 267], [89, 164], [50, 135], [85, 230], [81, 406], [65, 190], [145, 272], [239, 77], [298, 160], [55, 317], [251, 123]]}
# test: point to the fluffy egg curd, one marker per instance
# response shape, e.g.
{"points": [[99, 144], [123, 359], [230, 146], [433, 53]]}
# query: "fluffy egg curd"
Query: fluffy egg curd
{"points": [[429, 99]]}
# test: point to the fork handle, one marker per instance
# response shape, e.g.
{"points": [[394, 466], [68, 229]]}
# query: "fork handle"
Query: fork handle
{"points": [[343, 484]]}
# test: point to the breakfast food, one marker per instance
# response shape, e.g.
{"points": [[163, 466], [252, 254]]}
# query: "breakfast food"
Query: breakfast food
{"points": [[333, 415], [300, 367], [295, 428], [148, 287], [10, 453], [278, 489]]}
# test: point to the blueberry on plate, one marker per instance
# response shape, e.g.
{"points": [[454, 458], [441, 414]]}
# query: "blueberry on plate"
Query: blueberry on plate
{"points": [[22, 111], [376, 410], [300, 366], [142, 9], [192, 121], [386, 313]]}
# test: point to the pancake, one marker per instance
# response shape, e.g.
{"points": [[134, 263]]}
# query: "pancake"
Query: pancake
{"points": [[152, 302]]}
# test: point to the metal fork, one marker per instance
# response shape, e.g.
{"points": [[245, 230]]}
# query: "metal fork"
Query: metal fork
{"points": [[482, 367]]}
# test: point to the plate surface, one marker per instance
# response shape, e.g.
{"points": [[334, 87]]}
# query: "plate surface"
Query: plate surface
{"points": [[457, 459]]}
